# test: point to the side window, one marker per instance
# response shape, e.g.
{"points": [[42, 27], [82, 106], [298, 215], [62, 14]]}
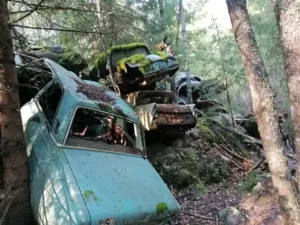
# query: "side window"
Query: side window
{"points": [[49, 101]]}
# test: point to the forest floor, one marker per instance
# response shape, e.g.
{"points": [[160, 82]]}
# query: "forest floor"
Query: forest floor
{"points": [[260, 208]]}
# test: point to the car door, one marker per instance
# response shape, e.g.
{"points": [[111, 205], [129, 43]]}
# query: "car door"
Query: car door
{"points": [[55, 194]]}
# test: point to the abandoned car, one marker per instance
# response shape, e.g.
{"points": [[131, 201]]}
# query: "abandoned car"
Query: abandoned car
{"points": [[133, 67], [87, 153], [68, 59], [158, 111], [201, 88]]}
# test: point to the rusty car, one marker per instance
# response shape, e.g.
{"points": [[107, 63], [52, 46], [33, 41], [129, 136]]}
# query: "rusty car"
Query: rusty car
{"points": [[132, 67], [158, 111], [87, 152]]}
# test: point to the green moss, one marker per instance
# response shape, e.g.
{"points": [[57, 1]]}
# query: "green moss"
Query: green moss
{"points": [[161, 208], [88, 194], [200, 187], [139, 58], [118, 48], [101, 60], [71, 57], [250, 182], [163, 55], [205, 128]]}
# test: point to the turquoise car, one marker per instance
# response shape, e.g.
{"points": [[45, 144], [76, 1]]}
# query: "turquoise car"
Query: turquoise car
{"points": [[87, 154]]}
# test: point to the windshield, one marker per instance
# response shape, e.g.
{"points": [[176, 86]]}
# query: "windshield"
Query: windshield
{"points": [[98, 130]]}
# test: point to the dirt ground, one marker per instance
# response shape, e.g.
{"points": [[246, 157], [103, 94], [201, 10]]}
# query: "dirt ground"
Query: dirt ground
{"points": [[202, 209]]}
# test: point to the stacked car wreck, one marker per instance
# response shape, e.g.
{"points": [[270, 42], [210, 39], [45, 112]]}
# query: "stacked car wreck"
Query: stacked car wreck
{"points": [[87, 152], [133, 71]]}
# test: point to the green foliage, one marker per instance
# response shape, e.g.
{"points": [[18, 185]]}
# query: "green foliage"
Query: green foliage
{"points": [[161, 208], [200, 187], [205, 127], [250, 182], [72, 57]]}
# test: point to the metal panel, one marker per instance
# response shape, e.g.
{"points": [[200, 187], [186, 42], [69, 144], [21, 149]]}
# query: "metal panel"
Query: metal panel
{"points": [[55, 196], [121, 187], [172, 108], [175, 119]]}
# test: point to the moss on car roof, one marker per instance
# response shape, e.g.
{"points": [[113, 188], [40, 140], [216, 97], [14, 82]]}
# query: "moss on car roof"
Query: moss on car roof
{"points": [[101, 58]]}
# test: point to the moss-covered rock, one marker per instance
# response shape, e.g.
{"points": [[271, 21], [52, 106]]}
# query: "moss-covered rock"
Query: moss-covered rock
{"points": [[216, 171], [178, 166]]}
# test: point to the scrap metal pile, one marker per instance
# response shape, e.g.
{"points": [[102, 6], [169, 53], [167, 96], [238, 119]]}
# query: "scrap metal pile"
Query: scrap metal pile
{"points": [[133, 72]]}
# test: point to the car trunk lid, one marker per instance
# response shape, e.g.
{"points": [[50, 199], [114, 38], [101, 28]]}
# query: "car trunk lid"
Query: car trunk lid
{"points": [[122, 187]]}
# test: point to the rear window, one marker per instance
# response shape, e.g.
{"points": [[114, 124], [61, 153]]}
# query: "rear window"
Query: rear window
{"points": [[93, 129]]}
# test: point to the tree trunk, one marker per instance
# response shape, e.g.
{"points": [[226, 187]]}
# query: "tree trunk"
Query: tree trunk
{"points": [[263, 106], [162, 13], [16, 171], [178, 21], [186, 62], [224, 72], [288, 20]]}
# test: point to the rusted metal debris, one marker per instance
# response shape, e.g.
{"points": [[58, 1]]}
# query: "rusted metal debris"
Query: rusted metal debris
{"points": [[172, 108]]}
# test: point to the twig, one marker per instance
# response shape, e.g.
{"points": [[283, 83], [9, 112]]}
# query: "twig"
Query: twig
{"points": [[256, 165], [184, 195], [199, 216], [230, 158], [5, 213], [234, 154], [30, 12]]}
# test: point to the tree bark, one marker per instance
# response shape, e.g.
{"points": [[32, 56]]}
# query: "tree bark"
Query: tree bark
{"points": [[263, 106], [288, 20], [162, 13], [16, 171]]}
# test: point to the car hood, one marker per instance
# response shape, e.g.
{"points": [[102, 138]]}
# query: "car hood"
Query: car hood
{"points": [[122, 187]]}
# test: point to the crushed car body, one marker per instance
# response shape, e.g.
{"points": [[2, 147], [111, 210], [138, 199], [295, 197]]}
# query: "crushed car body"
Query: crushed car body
{"points": [[87, 153], [158, 111]]}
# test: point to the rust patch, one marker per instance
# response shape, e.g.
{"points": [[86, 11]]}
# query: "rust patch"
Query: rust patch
{"points": [[172, 108], [175, 119]]}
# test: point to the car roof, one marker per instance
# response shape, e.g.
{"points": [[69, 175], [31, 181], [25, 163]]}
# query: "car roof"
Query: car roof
{"points": [[91, 95]]}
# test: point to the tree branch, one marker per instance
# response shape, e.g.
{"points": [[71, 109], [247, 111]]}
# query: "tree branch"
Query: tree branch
{"points": [[48, 7], [57, 29], [30, 12]]}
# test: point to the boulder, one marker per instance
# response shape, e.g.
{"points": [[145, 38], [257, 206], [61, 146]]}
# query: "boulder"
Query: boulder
{"points": [[231, 216]]}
